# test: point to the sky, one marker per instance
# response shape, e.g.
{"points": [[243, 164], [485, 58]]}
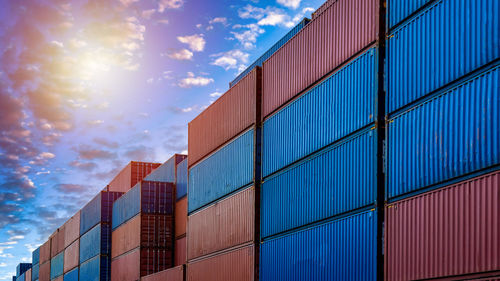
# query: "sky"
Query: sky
{"points": [[87, 86]]}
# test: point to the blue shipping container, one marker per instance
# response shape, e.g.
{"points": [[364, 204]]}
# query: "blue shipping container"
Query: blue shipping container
{"points": [[98, 210], [344, 249], [449, 136], [72, 275], [96, 269], [182, 179], [167, 171], [21, 268], [338, 106], [35, 256], [96, 241], [443, 43], [34, 272], [398, 10], [57, 266], [148, 197], [340, 179], [226, 170], [21, 278], [271, 51]]}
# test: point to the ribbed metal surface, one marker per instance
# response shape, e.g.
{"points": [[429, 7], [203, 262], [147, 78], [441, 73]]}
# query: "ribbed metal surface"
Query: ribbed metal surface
{"points": [[344, 249], [441, 44], [228, 116], [96, 269], [21, 278], [72, 256], [451, 135], [398, 10], [44, 273], [96, 241], [45, 252], [35, 271], [72, 275], [57, 241], [57, 266], [223, 225], [180, 248], [180, 217], [271, 50], [72, 229], [167, 171], [451, 231], [182, 179], [322, 8], [342, 30], [35, 256], [338, 180], [131, 175], [127, 206], [171, 274], [98, 210], [339, 105], [223, 172]]}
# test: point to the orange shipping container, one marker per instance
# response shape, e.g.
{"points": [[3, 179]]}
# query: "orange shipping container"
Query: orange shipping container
{"points": [[44, 272], [171, 274], [225, 224], [180, 217], [57, 242], [131, 175], [27, 275], [180, 251], [71, 256], [140, 262], [45, 252], [126, 237], [72, 229], [235, 265]]}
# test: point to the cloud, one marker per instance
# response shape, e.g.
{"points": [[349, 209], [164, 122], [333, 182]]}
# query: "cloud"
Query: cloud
{"points": [[162, 21], [221, 20], [273, 16], [294, 4], [148, 13], [47, 155], [126, 3], [230, 60], [106, 143], [195, 42], [72, 188], [169, 4], [85, 166], [216, 94], [89, 153], [193, 80], [248, 37], [140, 153], [95, 122], [182, 54]]}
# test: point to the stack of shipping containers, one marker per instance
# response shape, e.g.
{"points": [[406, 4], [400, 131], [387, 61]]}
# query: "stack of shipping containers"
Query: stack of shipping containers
{"points": [[443, 140], [35, 261], [23, 272], [71, 248], [44, 270], [57, 254]]}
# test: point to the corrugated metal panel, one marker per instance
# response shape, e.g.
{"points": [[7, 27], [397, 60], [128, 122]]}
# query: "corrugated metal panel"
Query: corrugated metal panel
{"points": [[44, 273], [234, 265], [344, 249], [45, 252], [322, 8], [271, 50], [223, 225], [126, 237], [450, 231], [451, 135], [57, 266], [127, 206], [337, 180], [171, 274], [167, 171], [72, 229], [223, 172], [35, 256], [89, 242], [228, 116], [337, 34], [180, 254], [182, 179], [398, 10], [96, 269], [21, 278], [131, 175], [98, 210], [22, 268], [27, 275], [180, 217], [421, 59], [339, 105], [137, 263], [72, 275], [72, 256], [35, 270], [57, 241], [60, 278]]}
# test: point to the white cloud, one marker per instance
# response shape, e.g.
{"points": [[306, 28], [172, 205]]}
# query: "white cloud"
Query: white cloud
{"points": [[169, 4], [193, 80], [126, 3], [273, 18], [230, 60], [298, 17], [148, 13], [95, 122], [221, 20], [216, 94], [195, 42], [47, 155], [183, 54], [163, 21], [198, 25], [294, 4], [251, 12], [248, 38], [268, 16]]}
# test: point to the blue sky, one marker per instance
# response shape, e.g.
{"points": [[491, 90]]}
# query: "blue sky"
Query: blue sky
{"points": [[87, 86]]}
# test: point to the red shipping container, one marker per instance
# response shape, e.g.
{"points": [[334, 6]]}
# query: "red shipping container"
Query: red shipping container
{"points": [[131, 175], [228, 116], [27, 275], [145, 230], [71, 256], [180, 251], [235, 265], [140, 262], [180, 217], [57, 241], [44, 271], [447, 232], [171, 274], [225, 224], [340, 32], [45, 252], [322, 8], [72, 229]]}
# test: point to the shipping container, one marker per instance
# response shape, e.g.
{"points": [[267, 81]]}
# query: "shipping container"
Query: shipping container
{"points": [[180, 251], [45, 252], [171, 274], [421, 59], [72, 275], [144, 230], [182, 179], [226, 170], [27, 274], [98, 210], [57, 266], [132, 265], [341, 104], [60, 278], [228, 116], [35, 256], [451, 135], [96, 269], [234, 265], [57, 241], [322, 8], [22, 268], [20, 277], [225, 224], [148, 197], [35, 271], [399, 10], [131, 175], [167, 171], [44, 272], [180, 217], [343, 249], [72, 256], [96, 241], [72, 229], [340, 32], [339, 179], [271, 51], [446, 232]]}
